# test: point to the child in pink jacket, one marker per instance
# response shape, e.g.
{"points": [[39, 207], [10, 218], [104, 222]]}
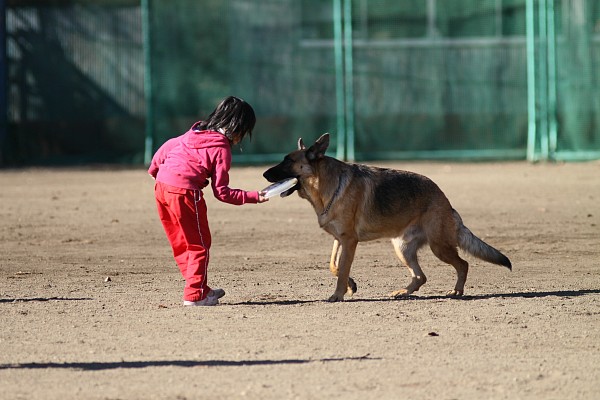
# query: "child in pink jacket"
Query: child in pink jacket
{"points": [[182, 167]]}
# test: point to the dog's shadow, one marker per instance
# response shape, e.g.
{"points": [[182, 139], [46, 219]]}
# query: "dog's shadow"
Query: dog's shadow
{"points": [[524, 295]]}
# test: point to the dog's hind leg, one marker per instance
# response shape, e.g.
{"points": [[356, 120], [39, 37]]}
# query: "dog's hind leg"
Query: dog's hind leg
{"points": [[448, 254], [406, 248], [333, 266]]}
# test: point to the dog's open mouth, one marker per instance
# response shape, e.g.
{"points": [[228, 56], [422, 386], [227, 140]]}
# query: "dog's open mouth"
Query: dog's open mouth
{"points": [[282, 187], [278, 175], [290, 191]]}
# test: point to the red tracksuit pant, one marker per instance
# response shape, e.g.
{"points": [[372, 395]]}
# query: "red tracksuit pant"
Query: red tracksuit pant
{"points": [[183, 216]]}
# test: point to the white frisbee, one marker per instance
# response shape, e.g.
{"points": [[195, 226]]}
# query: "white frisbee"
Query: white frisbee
{"points": [[279, 187]]}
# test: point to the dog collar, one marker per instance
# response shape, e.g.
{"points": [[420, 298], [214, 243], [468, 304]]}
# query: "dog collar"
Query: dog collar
{"points": [[335, 194]]}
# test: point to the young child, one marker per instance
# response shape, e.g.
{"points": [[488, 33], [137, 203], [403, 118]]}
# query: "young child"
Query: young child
{"points": [[182, 167]]}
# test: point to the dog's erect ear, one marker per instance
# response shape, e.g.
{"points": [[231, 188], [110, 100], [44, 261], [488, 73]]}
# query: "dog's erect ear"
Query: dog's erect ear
{"points": [[318, 149], [301, 145]]}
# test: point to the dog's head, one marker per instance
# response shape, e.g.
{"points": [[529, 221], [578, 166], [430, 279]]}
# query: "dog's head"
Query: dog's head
{"points": [[299, 164]]}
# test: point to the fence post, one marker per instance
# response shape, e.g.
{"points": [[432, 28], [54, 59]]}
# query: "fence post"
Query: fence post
{"points": [[543, 80], [338, 49], [344, 78], [148, 92], [541, 89], [531, 112], [552, 124], [3, 80], [349, 81]]}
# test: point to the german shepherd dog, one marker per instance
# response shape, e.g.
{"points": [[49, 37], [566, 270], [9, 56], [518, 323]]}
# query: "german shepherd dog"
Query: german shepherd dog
{"points": [[356, 203]]}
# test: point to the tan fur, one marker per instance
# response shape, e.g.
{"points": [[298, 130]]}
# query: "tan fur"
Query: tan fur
{"points": [[356, 203]]}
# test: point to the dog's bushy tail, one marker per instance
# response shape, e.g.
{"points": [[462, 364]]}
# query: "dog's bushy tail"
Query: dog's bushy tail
{"points": [[470, 243]]}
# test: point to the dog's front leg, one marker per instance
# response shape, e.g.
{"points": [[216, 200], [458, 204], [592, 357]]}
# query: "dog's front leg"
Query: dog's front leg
{"points": [[343, 268], [333, 267]]}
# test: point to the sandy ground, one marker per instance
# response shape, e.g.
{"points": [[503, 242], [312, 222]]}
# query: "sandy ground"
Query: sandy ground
{"points": [[66, 333]]}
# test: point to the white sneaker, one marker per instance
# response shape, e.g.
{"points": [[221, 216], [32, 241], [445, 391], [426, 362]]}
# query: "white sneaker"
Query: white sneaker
{"points": [[207, 301], [211, 300], [216, 293]]}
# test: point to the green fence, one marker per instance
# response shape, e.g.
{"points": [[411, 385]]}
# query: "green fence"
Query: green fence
{"points": [[74, 82], [390, 79]]}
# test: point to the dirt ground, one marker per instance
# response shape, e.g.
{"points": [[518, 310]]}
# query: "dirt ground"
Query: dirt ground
{"points": [[68, 333]]}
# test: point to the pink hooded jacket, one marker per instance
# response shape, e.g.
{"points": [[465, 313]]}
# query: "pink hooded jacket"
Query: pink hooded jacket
{"points": [[189, 160]]}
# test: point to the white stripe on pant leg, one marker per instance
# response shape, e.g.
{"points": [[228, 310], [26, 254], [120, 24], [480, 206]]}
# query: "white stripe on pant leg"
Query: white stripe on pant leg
{"points": [[197, 194]]}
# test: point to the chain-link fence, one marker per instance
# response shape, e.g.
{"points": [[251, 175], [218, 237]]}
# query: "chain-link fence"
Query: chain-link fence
{"points": [[111, 80]]}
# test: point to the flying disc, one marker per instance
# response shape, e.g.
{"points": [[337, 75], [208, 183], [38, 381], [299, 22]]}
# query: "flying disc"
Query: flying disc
{"points": [[279, 187]]}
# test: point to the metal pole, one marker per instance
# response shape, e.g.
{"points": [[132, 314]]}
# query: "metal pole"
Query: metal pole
{"points": [[338, 50], [543, 80], [3, 81], [531, 114], [148, 92], [349, 79], [552, 129]]}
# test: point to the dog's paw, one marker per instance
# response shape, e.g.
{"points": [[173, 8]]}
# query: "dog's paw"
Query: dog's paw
{"points": [[336, 297], [352, 288], [401, 293], [454, 293]]}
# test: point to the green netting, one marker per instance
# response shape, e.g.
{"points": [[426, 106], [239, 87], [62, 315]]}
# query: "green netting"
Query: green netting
{"points": [[75, 83], [440, 79], [396, 79], [406, 79], [578, 80], [252, 49]]}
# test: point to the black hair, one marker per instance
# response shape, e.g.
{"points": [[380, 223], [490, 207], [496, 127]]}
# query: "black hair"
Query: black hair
{"points": [[233, 116]]}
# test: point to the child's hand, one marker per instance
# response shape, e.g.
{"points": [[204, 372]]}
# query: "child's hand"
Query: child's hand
{"points": [[261, 197]]}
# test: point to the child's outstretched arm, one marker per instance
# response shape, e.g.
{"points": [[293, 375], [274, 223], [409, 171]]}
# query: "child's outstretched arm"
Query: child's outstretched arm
{"points": [[220, 183]]}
